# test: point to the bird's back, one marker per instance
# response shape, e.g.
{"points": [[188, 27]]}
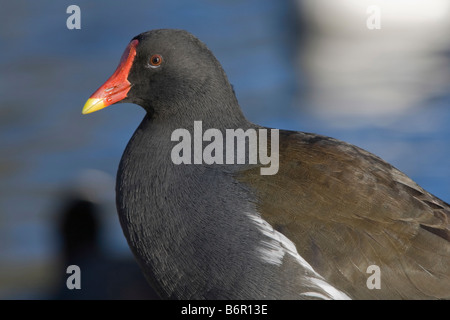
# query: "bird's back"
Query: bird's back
{"points": [[346, 209]]}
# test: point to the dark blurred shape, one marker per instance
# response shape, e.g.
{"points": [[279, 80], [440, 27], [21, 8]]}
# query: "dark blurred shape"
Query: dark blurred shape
{"points": [[102, 277], [80, 229]]}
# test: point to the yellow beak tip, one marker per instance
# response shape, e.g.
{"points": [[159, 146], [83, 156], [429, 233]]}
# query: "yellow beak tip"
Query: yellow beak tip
{"points": [[93, 105]]}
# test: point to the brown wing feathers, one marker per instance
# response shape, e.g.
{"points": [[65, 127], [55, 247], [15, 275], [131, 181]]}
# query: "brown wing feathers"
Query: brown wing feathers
{"points": [[346, 209]]}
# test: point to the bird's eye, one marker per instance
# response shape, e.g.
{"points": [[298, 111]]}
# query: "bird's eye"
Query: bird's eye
{"points": [[155, 60]]}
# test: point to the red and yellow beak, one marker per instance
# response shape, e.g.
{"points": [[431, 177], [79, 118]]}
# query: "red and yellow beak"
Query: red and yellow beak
{"points": [[117, 86]]}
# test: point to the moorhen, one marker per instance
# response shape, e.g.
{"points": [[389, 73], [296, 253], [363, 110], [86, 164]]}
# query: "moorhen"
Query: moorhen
{"points": [[314, 227]]}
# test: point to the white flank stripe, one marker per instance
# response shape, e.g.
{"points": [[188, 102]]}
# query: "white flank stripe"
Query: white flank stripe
{"points": [[274, 248]]}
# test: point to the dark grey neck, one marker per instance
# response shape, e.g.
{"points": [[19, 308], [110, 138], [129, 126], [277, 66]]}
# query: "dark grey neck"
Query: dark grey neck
{"points": [[215, 108]]}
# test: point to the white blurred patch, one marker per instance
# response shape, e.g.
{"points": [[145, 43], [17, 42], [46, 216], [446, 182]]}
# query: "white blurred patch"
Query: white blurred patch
{"points": [[94, 185], [273, 250], [355, 71]]}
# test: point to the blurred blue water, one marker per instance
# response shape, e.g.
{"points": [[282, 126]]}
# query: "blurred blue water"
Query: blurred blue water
{"points": [[48, 71]]}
